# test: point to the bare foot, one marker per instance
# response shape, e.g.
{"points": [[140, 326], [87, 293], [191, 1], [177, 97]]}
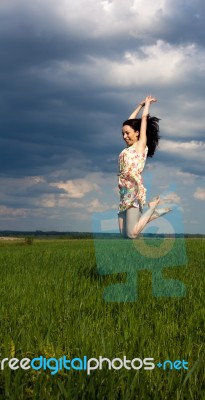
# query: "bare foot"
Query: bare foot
{"points": [[162, 211], [162, 201], [154, 202], [159, 213]]}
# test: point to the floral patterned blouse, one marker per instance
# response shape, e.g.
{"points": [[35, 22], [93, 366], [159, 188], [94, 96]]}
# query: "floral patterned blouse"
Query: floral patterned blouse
{"points": [[132, 191]]}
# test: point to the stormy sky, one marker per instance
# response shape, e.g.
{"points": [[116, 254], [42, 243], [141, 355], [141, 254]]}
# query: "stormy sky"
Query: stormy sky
{"points": [[70, 74]]}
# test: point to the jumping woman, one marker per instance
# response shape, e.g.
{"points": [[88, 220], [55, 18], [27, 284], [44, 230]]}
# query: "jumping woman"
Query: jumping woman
{"points": [[142, 137]]}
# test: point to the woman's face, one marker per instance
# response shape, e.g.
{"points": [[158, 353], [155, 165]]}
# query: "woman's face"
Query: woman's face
{"points": [[129, 135]]}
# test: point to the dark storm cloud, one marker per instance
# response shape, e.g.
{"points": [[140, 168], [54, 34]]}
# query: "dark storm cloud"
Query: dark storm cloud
{"points": [[186, 23], [26, 41], [43, 120]]}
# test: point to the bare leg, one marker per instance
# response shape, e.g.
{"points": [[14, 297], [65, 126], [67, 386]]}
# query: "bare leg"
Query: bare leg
{"points": [[135, 225], [133, 215]]}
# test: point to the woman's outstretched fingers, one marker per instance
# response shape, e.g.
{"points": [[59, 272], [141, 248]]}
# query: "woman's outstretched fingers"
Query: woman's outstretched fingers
{"points": [[151, 99]]}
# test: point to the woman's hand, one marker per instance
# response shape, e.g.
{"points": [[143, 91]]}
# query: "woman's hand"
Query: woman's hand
{"points": [[150, 99], [142, 103], [142, 142]]}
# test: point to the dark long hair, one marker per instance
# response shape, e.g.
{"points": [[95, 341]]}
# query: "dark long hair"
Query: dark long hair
{"points": [[152, 131]]}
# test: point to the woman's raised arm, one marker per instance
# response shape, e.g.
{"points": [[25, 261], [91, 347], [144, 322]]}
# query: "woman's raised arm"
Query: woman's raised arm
{"points": [[142, 142], [137, 110]]}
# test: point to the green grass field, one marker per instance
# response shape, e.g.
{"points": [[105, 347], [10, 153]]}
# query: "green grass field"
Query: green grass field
{"points": [[52, 305]]}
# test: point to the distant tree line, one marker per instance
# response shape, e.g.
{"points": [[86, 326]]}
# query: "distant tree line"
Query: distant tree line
{"points": [[88, 235]]}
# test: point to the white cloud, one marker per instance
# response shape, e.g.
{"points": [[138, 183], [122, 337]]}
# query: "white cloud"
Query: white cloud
{"points": [[37, 179], [152, 65], [58, 200], [74, 207], [15, 212], [192, 150], [97, 206], [93, 19], [76, 188], [23, 182], [105, 18], [127, 72], [48, 201], [186, 177], [199, 194], [172, 198]]}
